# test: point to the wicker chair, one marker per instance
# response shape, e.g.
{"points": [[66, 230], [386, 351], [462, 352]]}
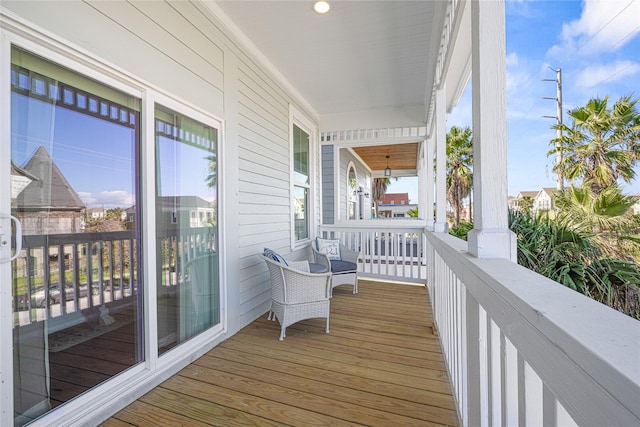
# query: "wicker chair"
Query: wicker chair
{"points": [[344, 271], [297, 294]]}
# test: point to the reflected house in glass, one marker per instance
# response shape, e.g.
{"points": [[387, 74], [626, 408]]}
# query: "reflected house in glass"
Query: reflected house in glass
{"points": [[192, 210], [48, 204]]}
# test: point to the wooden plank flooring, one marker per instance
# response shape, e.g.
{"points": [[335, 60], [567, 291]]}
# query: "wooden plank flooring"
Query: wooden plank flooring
{"points": [[380, 365]]}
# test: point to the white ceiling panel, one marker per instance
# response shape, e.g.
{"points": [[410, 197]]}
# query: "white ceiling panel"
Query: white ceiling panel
{"points": [[359, 56]]}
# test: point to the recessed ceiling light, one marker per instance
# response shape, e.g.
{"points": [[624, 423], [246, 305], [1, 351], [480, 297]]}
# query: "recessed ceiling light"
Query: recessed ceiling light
{"points": [[321, 6]]}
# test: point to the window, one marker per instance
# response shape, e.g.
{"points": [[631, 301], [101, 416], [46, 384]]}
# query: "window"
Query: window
{"points": [[301, 183]]}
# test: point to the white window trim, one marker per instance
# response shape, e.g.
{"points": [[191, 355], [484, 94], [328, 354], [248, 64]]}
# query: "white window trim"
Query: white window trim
{"points": [[139, 378], [298, 118]]}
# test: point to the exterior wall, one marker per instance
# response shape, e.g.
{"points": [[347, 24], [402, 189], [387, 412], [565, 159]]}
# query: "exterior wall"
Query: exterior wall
{"points": [[328, 196], [363, 176], [396, 210], [542, 202], [50, 222], [185, 51]]}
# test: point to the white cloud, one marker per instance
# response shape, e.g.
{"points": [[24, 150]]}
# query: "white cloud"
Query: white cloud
{"points": [[107, 199], [512, 59], [604, 26], [593, 75]]}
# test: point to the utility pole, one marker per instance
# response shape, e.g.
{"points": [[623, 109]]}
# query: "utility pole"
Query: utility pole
{"points": [[558, 117]]}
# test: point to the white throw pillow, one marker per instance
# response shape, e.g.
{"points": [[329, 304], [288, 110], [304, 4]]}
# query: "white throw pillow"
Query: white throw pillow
{"points": [[330, 247]]}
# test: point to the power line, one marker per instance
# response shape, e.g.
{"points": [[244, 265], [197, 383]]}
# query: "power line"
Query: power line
{"points": [[602, 28], [614, 74]]}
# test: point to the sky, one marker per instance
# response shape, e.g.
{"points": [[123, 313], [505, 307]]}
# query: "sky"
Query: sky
{"points": [[596, 43]]}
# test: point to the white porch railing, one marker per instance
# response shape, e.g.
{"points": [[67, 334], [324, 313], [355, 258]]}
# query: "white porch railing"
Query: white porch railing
{"points": [[392, 250], [522, 350], [372, 135]]}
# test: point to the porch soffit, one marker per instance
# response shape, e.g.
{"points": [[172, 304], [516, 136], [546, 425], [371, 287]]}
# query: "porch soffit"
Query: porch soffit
{"points": [[402, 157], [361, 56]]}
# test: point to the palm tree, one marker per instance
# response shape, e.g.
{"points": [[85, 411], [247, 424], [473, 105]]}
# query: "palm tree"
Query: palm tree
{"points": [[459, 163], [378, 189], [602, 144], [212, 177], [526, 204], [603, 215]]}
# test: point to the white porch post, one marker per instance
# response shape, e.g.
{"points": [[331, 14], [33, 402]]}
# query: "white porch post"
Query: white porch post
{"points": [[491, 237], [428, 179], [440, 224]]}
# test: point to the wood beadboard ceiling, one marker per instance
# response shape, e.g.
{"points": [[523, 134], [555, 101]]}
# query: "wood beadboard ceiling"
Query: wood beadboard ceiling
{"points": [[362, 55], [401, 156]]}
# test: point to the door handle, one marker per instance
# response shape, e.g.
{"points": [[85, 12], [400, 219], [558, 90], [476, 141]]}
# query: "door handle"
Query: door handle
{"points": [[4, 241]]}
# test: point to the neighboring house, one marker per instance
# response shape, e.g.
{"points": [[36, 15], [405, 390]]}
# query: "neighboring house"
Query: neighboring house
{"points": [[523, 199], [47, 204], [96, 213], [193, 210], [259, 99], [174, 210], [395, 205], [20, 179], [543, 201], [537, 201], [636, 207]]}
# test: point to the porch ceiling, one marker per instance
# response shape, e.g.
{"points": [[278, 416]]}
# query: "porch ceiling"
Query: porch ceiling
{"points": [[360, 56], [402, 157]]}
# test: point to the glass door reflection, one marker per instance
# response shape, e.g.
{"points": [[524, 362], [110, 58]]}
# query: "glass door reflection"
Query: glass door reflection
{"points": [[186, 216]]}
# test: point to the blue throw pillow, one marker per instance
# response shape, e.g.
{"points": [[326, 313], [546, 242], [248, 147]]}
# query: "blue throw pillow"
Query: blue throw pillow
{"points": [[275, 256]]}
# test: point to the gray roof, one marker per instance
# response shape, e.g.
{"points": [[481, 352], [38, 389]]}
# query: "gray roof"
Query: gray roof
{"points": [[50, 190]]}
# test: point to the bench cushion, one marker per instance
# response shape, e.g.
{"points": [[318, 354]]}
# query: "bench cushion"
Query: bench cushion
{"points": [[339, 266], [317, 268]]}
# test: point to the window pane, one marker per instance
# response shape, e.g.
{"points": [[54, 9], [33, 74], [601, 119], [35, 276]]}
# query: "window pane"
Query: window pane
{"points": [[300, 156], [301, 212], [76, 294], [186, 215]]}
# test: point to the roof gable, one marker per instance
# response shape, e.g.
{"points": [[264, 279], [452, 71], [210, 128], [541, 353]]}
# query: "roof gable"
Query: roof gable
{"points": [[50, 189]]}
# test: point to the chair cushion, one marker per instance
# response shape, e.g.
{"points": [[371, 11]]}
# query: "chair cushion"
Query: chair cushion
{"points": [[330, 247], [274, 256], [317, 268], [339, 266]]}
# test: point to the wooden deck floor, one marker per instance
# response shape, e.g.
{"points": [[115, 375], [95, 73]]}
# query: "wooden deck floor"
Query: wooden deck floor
{"points": [[380, 365]]}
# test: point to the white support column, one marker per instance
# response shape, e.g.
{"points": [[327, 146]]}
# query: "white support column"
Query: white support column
{"points": [[428, 173], [491, 237], [440, 224]]}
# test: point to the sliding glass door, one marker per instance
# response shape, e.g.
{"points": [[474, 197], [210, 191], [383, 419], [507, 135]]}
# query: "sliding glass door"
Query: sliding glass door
{"points": [[76, 284], [186, 227], [73, 188]]}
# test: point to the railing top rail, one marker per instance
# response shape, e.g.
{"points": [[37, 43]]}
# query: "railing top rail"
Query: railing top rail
{"points": [[376, 224], [576, 331]]}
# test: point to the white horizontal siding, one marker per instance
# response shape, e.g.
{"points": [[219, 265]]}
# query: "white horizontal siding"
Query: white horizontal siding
{"points": [[142, 38], [181, 48], [264, 195]]}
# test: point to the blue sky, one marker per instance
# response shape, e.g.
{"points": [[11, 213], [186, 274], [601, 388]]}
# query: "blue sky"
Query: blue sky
{"points": [[596, 43]]}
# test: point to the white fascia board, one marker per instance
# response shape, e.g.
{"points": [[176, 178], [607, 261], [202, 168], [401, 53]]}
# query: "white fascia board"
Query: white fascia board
{"points": [[458, 64], [389, 117]]}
